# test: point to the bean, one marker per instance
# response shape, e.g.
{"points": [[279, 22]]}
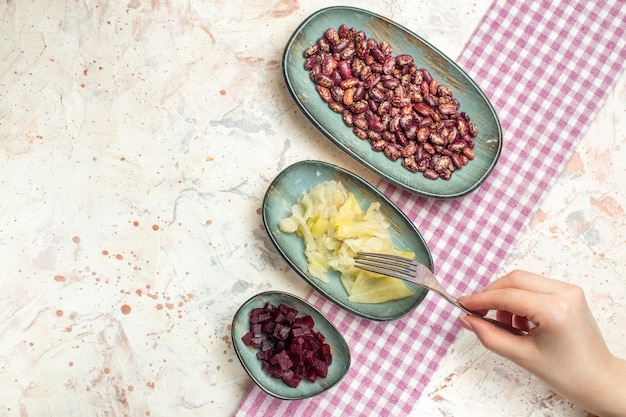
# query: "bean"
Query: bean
{"points": [[324, 93], [399, 108], [393, 152], [348, 96], [345, 69]]}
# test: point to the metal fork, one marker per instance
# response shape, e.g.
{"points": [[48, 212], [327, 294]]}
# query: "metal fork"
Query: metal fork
{"points": [[413, 271]]}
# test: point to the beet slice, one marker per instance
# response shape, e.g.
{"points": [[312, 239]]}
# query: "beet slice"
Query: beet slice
{"points": [[288, 346]]}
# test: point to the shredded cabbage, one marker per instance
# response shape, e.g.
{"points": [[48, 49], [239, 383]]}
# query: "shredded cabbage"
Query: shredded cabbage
{"points": [[334, 228]]}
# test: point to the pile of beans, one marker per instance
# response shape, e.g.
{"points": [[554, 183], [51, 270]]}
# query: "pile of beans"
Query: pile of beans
{"points": [[399, 108]]}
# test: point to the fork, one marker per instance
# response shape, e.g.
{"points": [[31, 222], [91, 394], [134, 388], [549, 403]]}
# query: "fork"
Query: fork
{"points": [[413, 271]]}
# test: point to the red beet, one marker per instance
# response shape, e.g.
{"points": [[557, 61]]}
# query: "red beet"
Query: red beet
{"points": [[288, 346]]}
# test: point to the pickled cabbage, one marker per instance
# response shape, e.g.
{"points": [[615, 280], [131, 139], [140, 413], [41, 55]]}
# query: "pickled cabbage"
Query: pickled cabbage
{"points": [[334, 228]]}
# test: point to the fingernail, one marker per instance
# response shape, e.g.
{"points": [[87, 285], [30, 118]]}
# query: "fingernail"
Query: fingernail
{"points": [[466, 324]]}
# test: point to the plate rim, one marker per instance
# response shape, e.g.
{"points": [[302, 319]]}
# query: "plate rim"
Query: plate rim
{"points": [[252, 375], [467, 190], [418, 300]]}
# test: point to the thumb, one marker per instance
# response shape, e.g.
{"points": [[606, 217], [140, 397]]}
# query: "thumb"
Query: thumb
{"points": [[495, 339]]}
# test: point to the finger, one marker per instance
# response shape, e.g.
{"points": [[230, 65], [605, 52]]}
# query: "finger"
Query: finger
{"points": [[499, 341], [521, 323], [512, 300], [528, 281], [504, 316]]}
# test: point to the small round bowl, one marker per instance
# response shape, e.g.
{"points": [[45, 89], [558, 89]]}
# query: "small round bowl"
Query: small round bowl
{"points": [[275, 386]]}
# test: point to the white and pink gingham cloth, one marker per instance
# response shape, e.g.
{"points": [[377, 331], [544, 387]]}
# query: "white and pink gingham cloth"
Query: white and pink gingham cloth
{"points": [[547, 67]]}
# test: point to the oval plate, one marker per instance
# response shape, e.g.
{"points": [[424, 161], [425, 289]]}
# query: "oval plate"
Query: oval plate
{"points": [[300, 177], [488, 143], [274, 386]]}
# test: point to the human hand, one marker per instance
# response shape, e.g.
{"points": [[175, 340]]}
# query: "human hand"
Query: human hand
{"points": [[564, 346]]}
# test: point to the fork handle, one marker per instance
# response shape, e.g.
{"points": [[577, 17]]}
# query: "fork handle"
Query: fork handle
{"points": [[496, 323]]}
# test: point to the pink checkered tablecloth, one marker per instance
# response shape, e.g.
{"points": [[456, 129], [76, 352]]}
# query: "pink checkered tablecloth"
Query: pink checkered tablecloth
{"points": [[547, 67]]}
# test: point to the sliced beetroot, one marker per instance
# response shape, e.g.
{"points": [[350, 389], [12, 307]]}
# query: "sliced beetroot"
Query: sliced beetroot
{"points": [[281, 332], [320, 367], [324, 354], [288, 346], [291, 378], [247, 339]]}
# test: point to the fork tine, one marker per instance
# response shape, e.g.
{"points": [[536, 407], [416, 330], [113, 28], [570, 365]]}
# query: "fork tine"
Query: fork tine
{"points": [[391, 265]]}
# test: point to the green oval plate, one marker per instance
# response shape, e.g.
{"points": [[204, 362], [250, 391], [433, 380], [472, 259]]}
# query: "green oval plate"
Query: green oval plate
{"points": [[403, 41], [274, 386], [285, 191]]}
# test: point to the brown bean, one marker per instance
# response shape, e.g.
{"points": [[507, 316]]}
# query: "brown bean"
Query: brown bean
{"points": [[348, 96], [376, 94], [348, 118], [393, 152], [348, 53], [323, 44], [433, 87], [324, 81], [447, 108], [359, 107], [456, 160], [426, 75], [383, 108], [311, 51], [404, 59], [391, 83], [324, 93], [378, 145], [409, 149], [422, 109], [360, 133], [431, 174], [473, 131], [431, 101], [411, 131], [457, 146], [422, 134], [406, 121], [340, 45], [336, 106], [388, 136], [376, 125], [345, 69], [401, 138], [442, 164], [331, 35], [310, 63], [343, 30], [410, 164], [425, 122], [329, 64], [349, 82], [377, 55], [398, 101], [389, 65], [360, 122]]}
